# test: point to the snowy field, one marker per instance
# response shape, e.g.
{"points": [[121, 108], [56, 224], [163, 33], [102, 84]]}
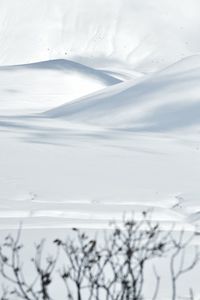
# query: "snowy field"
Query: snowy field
{"points": [[99, 116], [99, 111]]}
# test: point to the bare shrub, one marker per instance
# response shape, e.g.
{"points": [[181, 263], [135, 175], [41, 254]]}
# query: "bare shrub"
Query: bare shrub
{"points": [[111, 268]]}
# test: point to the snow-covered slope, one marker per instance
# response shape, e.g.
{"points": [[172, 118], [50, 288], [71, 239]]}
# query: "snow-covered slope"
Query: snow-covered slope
{"points": [[168, 100], [75, 164], [43, 85], [99, 114], [118, 146], [145, 35]]}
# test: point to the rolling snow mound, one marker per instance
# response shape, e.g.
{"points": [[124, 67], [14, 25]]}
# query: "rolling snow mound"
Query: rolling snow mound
{"points": [[43, 85], [166, 101]]}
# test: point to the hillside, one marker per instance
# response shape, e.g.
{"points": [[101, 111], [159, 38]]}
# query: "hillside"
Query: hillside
{"points": [[166, 101], [99, 111], [39, 86], [131, 34]]}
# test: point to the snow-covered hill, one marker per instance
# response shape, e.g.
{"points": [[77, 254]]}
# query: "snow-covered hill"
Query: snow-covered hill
{"points": [[39, 86], [144, 35], [166, 101], [99, 111], [99, 115]]}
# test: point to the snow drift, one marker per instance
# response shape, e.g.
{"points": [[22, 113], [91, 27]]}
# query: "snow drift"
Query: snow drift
{"points": [[166, 101], [43, 85]]}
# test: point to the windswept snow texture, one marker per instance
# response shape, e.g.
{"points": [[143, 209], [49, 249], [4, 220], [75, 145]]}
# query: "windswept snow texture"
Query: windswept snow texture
{"points": [[99, 111]]}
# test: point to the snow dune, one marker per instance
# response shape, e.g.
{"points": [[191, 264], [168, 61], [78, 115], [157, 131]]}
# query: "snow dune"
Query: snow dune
{"points": [[166, 101], [39, 86]]}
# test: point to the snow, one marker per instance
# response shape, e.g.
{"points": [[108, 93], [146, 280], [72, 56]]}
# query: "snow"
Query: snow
{"points": [[133, 34], [99, 116], [38, 86], [165, 101], [53, 175], [99, 112]]}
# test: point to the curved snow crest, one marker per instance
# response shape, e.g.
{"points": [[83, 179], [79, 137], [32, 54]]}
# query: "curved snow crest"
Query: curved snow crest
{"points": [[166, 101], [143, 35], [43, 85], [66, 66]]}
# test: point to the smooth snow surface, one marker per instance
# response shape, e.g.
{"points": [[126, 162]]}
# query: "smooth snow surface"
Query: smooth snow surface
{"points": [[38, 86], [99, 111], [166, 101], [144, 35]]}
